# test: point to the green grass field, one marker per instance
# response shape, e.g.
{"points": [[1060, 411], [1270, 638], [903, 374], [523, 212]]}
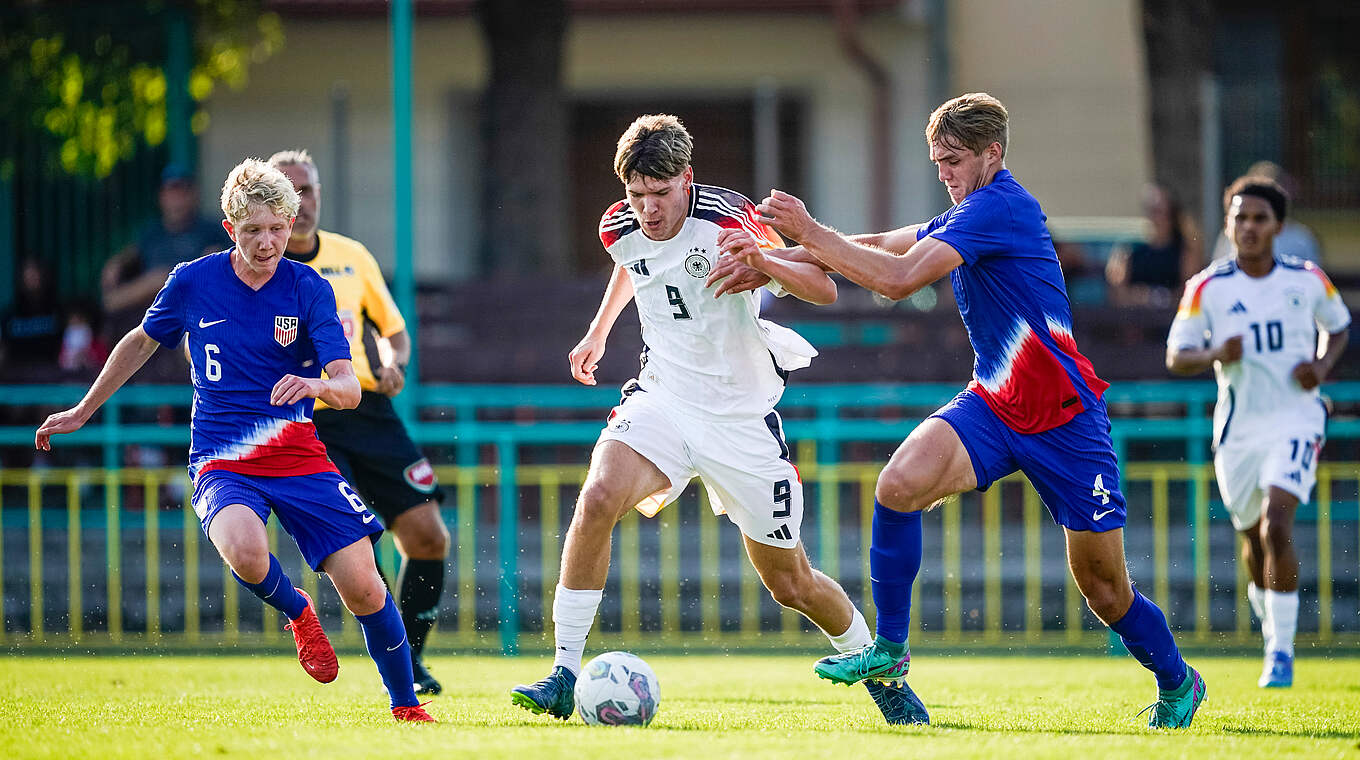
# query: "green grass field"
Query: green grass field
{"points": [[713, 707]]}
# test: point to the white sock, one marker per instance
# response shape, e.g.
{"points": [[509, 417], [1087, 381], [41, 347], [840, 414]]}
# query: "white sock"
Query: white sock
{"points": [[1257, 596], [573, 615], [857, 636], [1282, 608]]}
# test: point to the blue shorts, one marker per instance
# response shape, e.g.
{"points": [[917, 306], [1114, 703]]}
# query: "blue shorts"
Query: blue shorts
{"points": [[321, 512], [1072, 466]]}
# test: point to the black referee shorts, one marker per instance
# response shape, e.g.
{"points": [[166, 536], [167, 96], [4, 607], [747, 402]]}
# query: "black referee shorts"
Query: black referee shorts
{"points": [[375, 454]]}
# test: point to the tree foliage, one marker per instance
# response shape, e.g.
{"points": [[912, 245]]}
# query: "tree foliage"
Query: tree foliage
{"points": [[89, 79]]}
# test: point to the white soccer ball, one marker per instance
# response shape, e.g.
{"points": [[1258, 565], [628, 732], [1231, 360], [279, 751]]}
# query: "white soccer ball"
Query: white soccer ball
{"points": [[617, 689]]}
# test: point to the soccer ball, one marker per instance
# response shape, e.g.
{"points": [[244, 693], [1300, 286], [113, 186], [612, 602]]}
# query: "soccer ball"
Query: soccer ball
{"points": [[617, 689]]}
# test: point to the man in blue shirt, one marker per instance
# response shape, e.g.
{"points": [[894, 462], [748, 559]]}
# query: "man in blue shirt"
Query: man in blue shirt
{"points": [[1034, 404], [260, 329]]}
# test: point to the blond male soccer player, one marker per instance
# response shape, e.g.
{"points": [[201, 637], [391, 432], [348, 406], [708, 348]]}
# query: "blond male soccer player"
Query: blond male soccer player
{"points": [[370, 444], [1034, 404], [260, 330], [702, 404], [1257, 317]]}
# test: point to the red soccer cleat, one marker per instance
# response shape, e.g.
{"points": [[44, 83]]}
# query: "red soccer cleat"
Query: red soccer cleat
{"points": [[313, 648], [412, 713]]}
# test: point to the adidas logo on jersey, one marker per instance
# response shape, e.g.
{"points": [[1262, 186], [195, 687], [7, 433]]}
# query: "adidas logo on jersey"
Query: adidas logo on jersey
{"points": [[783, 534], [1238, 308], [639, 267]]}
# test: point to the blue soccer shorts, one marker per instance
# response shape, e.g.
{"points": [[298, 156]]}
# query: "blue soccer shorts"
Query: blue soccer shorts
{"points": [[1072, 466], [321, 511]]}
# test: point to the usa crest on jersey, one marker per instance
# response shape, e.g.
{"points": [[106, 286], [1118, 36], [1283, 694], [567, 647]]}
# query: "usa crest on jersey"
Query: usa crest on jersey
{"points": [[285, 330]]}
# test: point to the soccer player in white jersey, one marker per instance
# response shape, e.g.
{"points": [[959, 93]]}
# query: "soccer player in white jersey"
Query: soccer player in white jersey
{"points": [[1272, 327], [702, 403]]}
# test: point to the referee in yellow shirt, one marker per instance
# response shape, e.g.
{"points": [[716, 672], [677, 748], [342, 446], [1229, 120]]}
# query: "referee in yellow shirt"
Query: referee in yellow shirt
{"points": [[370, 444]]}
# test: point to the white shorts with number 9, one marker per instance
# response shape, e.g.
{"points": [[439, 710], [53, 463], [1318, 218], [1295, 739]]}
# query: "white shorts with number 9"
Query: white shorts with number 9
{"points": [[744, 464], [1247, 469]]}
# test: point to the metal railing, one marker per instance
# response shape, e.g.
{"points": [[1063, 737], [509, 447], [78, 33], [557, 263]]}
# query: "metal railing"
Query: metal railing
{"points": [[108, 556]]}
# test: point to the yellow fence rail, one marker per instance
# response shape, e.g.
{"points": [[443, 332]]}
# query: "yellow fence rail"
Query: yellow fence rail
{"points": [[94, 556]]}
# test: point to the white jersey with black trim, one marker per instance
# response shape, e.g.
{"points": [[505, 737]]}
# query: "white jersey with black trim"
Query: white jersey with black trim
{"points": [[710, 355], [1278, 317]]}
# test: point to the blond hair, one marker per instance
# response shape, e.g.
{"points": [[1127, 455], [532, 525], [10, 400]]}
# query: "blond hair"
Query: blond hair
{"points": [[298, 157], [254, 181], [973, 121], [656, 146]]}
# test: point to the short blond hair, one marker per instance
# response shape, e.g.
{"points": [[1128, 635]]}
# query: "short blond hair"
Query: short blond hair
{"points": [[254, 181], [656, 146], [298, 157], [971, 121]]}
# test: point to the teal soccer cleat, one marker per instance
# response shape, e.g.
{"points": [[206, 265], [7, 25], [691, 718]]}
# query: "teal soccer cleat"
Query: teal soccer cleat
{"points": [[898, 703], [1278, 672], [554, 695], [867, 663], [1176, 708]]}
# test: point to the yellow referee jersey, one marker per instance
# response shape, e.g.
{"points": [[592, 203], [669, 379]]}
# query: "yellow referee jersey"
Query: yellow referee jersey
{"points": [[360, 294]]}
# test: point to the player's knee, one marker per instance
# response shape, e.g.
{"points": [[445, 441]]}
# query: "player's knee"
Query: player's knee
{"points": [[248, 559], [1107, 601], [904, 488], [365, 597], [1276, 533], [425, 538], [789, 589], [599, 504]]}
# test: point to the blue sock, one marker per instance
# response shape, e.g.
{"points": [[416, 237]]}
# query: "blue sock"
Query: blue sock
{"points": [[386, 639], [1147, 637], [276, 590], [894, 561]]}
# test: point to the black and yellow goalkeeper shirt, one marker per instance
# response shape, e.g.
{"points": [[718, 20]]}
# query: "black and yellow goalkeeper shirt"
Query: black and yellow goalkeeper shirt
{"points": [[361, 295]]}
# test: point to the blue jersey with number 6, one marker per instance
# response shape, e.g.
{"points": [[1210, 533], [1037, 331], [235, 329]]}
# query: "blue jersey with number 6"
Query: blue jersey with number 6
{"points": [[241, 342]]}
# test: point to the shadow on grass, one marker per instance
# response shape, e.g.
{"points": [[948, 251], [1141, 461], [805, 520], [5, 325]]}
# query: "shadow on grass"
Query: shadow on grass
{"points": [[1141, 729]]}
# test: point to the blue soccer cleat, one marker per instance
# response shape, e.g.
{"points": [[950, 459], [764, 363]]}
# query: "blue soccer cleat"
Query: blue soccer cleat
{"points": [[554, 695], [898, 703], [1278, 672]]}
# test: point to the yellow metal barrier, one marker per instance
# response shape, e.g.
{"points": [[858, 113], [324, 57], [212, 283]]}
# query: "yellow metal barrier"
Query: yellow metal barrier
{"points": [[964, 595]]}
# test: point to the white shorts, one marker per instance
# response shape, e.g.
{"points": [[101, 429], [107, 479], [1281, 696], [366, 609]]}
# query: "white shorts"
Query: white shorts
{"points": [[744, 464], [1246, 469]]}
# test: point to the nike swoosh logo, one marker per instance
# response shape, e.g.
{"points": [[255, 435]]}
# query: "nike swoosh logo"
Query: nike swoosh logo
{"points": [[398, 646], [369, 518], [1098, 515], [201, 323]]}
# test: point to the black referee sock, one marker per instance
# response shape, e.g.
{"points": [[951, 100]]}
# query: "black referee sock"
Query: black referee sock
{"points": [[422, 584]]}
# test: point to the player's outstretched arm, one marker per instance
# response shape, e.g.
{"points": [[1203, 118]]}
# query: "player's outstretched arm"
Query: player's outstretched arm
{"points": [[802, 279], [1192, 361], [339, 389], [127, 357], [585, 357], [881, 270]]}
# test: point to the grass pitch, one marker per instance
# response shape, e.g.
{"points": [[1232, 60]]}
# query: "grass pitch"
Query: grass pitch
{"points": [[712, 707]]}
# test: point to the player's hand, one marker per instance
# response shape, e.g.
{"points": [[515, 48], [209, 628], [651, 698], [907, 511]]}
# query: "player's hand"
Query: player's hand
{"points": [[1231, 350], [738, 258], [291, 389], [787, 214], [391, 380], [68, 421], [585, 359], [1308, 375]]}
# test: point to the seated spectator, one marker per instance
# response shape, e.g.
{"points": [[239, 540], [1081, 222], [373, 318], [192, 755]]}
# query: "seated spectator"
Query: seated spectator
{"points": [[30, 332], [1294, 238], [83, 351], [133, 276], [1152, 272]]}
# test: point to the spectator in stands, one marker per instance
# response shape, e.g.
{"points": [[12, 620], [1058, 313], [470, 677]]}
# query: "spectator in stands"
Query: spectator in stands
{"points": [[1152, 272], [30, 332], [1294, 239], [133, 276]]}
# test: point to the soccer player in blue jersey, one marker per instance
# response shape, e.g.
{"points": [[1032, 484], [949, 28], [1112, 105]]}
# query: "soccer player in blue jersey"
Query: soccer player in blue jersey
{"points": [[1034, 404], [260, 329]]}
